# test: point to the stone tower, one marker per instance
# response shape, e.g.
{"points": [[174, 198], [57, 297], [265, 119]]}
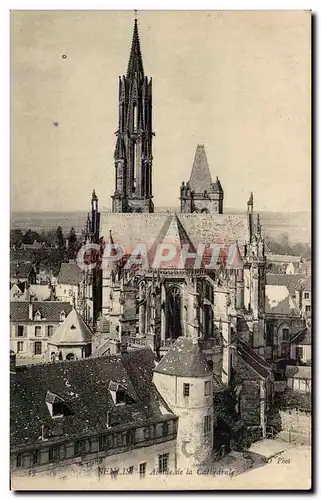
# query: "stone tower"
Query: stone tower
{"points": [[200, 194], [185, 380], [254, 278], [133, 152]]}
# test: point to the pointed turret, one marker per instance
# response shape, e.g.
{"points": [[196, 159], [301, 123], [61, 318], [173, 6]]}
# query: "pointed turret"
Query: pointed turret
{"points": [[135, 63], [200, 179], [200, 194], [217, 186]]}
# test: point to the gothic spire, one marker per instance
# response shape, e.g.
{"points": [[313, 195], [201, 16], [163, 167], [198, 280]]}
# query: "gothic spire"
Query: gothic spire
{"points": [[135, 64], [200, 179]]}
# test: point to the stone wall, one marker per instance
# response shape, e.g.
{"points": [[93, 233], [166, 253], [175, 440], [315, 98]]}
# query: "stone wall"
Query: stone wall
{"points": [[296, 420]]}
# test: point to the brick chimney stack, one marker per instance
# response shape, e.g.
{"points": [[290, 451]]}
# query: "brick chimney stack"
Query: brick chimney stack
{"points": [[30, 309]]}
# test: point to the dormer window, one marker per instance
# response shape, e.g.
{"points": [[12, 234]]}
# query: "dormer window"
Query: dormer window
{"points": [[38, 316], [56, 405], [118, 393], [62, 316]]}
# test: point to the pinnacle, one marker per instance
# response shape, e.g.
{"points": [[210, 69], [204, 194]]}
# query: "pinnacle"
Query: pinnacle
{"points": [[135, 64]]}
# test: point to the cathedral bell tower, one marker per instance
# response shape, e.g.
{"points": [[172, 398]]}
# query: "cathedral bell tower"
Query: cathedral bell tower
{"points": [[133, 152]]}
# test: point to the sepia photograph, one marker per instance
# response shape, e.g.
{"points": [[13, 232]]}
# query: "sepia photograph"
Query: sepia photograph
{"points": [[160, 250]]}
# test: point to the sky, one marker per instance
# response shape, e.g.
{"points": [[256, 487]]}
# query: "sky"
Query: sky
{"points": [[238, 82]]}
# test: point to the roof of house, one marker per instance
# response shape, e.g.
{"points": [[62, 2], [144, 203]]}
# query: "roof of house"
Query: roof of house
{"points": [[252, 359], [200, 179], [288, 280], [18, 287], [72, 331], [20, 270], [304, 372], [279, 301], [303, 337], [84, 387], [272, 257], [70, 274], [50, 310], [184, 359], [36, 245]]}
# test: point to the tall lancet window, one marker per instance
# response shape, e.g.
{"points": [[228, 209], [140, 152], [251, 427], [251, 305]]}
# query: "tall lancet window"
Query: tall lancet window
{"points": [[174, 324], [208, 311], [134, 166], [135, 116]]}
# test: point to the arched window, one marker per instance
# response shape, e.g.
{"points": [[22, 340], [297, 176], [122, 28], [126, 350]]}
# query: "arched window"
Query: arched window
{"points": [[174, 324]]}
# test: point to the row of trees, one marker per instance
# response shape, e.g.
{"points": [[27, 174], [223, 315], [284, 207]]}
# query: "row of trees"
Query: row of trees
{"points": [[55, 251], [283, 246]]}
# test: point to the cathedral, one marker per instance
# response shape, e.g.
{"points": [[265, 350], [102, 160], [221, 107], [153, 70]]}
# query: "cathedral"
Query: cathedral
{"points": [[219, 307]]}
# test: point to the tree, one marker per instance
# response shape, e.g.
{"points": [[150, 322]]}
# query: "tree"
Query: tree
{"points": [[16, 237], [60, 241], [30, 236], [72, 243]]}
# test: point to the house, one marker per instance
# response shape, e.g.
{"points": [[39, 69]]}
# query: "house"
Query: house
{"points": [[32, 323], [75, 286], [36, 245], [299, 378], [254, 383], [300, 346], [39, 292], [17, 291], [22, 273], [71, 340], [283, 319], [98, 412], [293, 268], [303, 292]]}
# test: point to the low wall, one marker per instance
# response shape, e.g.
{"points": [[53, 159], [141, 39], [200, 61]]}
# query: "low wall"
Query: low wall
{"points": [[296, 421]]}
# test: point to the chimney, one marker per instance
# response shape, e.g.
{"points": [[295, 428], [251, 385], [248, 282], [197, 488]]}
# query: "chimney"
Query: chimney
{"points": [[108, 415], [44, 433], [12, 362], [30, 309]]}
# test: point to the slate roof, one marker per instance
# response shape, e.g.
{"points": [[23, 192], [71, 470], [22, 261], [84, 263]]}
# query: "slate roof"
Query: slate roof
{"points": [[130, 229], [184, 359], [303, 337], [173, 233], [288, 280], [72, 331], [279, 301], [252, 359], [272, 257], [70, 274], [200, 179], [50, 310], [20, 270], [84, 387]]}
